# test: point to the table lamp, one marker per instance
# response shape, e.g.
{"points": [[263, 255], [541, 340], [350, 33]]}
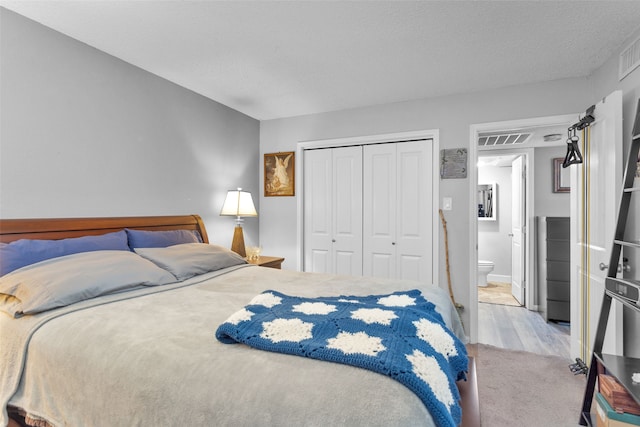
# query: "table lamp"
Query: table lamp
{"points": [[239, 204]]}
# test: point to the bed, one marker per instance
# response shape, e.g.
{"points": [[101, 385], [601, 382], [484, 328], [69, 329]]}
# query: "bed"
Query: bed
{"points": [[136, 352]]}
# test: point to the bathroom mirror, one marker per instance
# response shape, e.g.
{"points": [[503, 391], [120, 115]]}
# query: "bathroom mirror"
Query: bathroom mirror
{"points": [[487, 202]]}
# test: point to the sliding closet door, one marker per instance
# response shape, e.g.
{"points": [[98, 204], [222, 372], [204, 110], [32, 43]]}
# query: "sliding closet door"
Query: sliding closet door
{"points": [[333, 211], [397, 214]]}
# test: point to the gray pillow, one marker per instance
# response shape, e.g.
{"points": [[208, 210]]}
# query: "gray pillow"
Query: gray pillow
{"points": [[190, 259], [61, 281]]}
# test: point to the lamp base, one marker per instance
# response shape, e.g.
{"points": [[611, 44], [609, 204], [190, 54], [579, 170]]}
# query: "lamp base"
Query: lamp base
{"points": [[237, 245]]}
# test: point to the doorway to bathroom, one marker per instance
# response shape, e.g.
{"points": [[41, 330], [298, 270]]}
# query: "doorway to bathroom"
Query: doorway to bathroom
{"points": [[515, 164], [501, 235]]}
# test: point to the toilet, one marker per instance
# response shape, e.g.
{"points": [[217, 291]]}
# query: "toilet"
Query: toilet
{"points": [[484, 268]]}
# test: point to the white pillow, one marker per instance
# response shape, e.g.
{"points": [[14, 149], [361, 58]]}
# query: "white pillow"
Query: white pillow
{"points": [[61, 281], [190, 259]]}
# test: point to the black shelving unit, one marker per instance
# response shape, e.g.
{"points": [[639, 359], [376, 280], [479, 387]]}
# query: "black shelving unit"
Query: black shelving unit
{"points": [[624, 291]]}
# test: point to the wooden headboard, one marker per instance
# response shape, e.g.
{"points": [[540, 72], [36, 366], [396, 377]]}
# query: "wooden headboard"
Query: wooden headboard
{"points": [[61, 228]]}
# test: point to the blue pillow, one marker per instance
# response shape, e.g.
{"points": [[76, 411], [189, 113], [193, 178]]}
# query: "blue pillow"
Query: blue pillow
{"points": [[23, 252], [161, 239]]}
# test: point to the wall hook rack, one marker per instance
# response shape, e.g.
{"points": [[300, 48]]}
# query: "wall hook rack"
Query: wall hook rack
{"points": [[573, 151]]}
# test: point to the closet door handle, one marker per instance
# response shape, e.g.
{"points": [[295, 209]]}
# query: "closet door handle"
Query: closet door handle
{"points": [[393, 243]]}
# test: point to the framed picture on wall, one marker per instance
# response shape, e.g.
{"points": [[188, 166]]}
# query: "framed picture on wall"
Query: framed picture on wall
{"points": [[279, 174], [561, 177]]}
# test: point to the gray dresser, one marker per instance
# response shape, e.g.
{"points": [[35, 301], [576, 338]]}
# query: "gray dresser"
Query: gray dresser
{"points": [[554, 268]]}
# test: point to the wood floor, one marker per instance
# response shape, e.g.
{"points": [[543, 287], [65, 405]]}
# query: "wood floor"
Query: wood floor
{"points": [[517, 328]]}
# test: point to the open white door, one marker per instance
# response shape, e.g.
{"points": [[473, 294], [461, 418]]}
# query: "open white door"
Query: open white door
{"points": [[595, 195], [518, 235]]}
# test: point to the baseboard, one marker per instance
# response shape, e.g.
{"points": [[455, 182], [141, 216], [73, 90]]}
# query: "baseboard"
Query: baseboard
{"points": [[503, 278]]}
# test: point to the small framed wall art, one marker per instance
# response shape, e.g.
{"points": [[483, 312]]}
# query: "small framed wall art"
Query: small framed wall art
{"points": [[279, 174], [453, 163], [561, 179]]}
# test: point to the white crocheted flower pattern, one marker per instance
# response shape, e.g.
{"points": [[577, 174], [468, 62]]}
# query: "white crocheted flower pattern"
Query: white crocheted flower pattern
{"points": [[240, 316], [427, 369], [352, 301], [357, 343], [374, 315], [435, 335], [294, 330], [397, 301], [268, 300], [314, 308]]}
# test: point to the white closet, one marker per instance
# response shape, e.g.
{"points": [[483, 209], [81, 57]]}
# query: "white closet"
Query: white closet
{"points": [[368, 210], [333, 210], [397, 214]]}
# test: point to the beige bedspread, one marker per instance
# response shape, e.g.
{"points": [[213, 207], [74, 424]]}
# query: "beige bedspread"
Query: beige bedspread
{"points": [[153, 360]]}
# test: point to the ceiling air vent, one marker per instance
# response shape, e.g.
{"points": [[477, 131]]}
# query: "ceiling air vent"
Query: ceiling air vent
{"points": [[486, 140], [629, 58]]}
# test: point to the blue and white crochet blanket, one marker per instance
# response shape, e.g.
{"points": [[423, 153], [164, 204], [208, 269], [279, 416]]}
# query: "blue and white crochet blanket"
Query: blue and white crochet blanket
{"points": [[399, 335]]}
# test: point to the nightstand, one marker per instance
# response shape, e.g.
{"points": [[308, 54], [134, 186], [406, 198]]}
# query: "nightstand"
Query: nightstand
{"points": [[268, 261]]}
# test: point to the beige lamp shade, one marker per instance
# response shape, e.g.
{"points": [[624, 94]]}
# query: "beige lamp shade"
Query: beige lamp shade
{"points": [[238, 203]]}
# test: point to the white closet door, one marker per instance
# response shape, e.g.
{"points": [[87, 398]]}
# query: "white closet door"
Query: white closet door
{"points": [[347, 210], [333, 211], [414, 202], [368, 210], [398, 206], [318, 228], [379, 210]]}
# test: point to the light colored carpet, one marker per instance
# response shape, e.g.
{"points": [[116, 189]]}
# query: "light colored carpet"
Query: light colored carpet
{"points": [[497, 293], [521, 389]]}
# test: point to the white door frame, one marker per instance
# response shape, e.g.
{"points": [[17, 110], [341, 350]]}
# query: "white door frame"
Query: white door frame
{"points": [[522, 207], [433, 134], [475, 130]]}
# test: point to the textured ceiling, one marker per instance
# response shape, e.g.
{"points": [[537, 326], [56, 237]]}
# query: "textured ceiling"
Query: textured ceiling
{"points": [[279, 59]]}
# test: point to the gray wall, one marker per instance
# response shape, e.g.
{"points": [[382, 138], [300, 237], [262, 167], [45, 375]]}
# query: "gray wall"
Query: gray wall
{"points": [[83, 133], [548, 203], [452, 115], [86, 134]]}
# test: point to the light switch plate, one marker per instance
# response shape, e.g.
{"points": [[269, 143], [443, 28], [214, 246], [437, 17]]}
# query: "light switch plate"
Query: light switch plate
{"points": [[447, 203]]}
